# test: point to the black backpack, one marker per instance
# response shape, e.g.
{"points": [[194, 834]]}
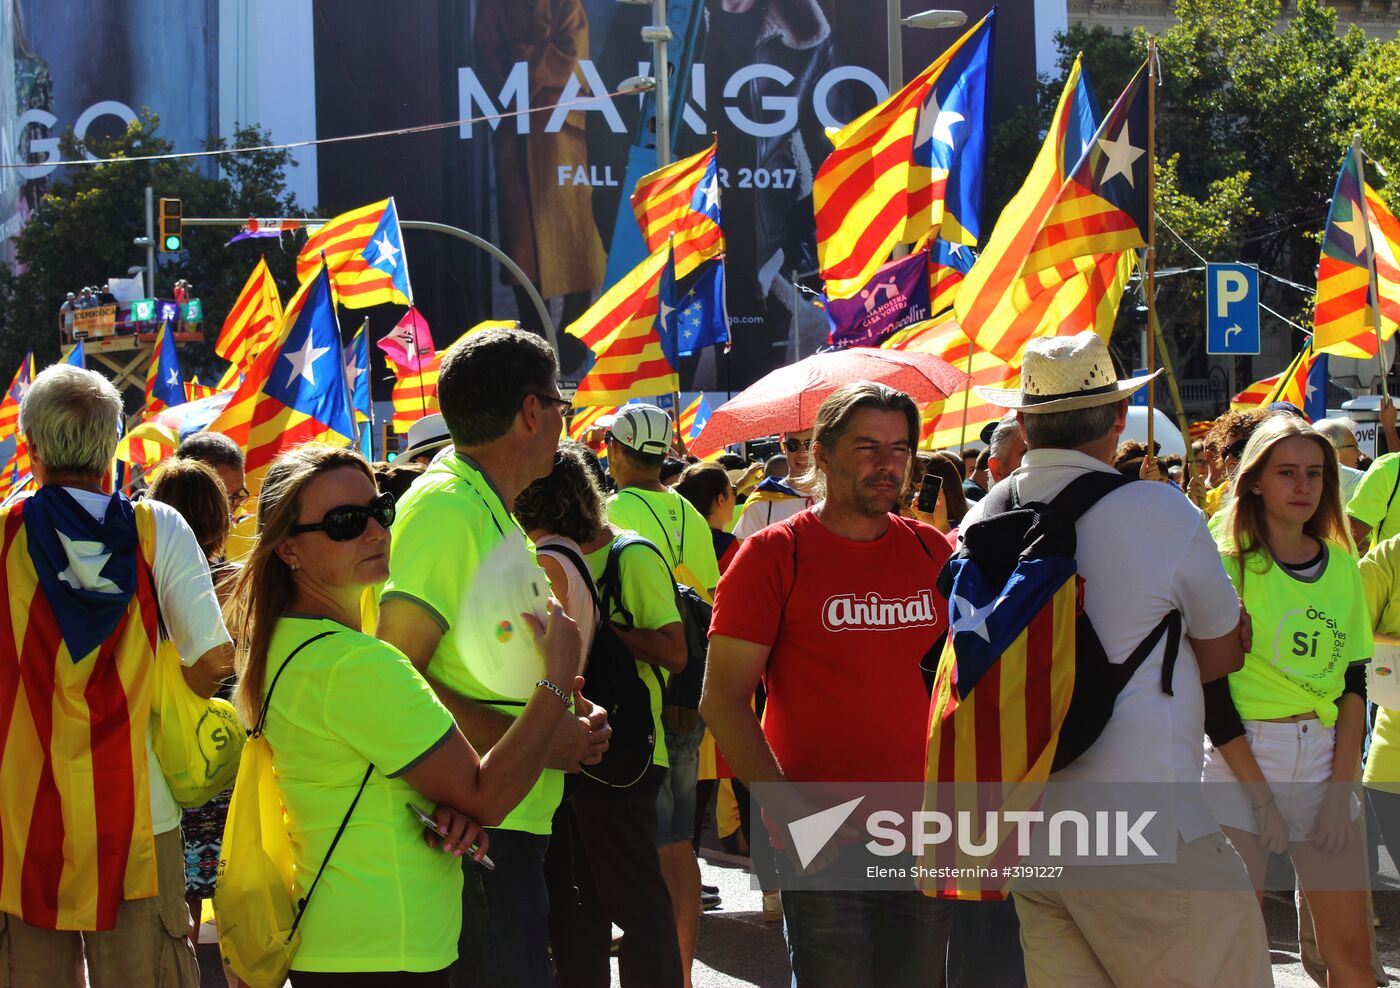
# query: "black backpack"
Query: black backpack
{"points": [[1011, 535], [613, 681], [681, 699]]}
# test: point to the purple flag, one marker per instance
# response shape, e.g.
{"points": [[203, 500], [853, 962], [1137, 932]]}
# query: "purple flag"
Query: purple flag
{"points": [[897, 296]]}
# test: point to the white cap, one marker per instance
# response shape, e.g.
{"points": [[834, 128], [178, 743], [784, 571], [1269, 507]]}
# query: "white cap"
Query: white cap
{"points": [[644, 428]]}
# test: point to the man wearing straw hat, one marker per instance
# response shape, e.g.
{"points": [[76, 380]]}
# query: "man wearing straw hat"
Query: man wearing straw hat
{"points": [[1142, 551]]}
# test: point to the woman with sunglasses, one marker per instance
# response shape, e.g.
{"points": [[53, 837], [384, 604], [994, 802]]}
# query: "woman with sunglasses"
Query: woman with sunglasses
{"points": [[1286, 729], [354, 727], [1226, 440]]}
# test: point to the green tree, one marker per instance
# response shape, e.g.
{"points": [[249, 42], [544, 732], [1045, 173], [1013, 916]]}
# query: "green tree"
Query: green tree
{"points": [[82, 233]]}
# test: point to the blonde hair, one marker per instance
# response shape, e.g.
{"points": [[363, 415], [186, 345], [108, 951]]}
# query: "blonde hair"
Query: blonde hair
{"points": [[70, 416], [263, 589], [1245, 520]]}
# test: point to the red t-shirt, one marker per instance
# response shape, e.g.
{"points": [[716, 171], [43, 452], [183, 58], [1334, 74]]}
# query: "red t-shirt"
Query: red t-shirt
{"points": [[846, 700]]}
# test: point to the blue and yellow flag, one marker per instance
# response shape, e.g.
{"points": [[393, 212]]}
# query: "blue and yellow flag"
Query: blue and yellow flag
{"points": [[357, 383], [165, 384]]}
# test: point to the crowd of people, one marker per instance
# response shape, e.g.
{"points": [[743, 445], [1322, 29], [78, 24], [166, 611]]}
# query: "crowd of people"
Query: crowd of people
{"points": [[504, 678]]}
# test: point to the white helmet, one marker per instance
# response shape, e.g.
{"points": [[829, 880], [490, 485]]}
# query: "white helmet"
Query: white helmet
{"points": [[644, 428]]}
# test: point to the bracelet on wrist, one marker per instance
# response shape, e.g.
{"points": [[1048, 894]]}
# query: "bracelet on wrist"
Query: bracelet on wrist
{"points": [[564, 697]]}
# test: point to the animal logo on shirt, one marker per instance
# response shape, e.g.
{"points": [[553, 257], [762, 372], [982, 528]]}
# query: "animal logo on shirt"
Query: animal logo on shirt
{"points": [[872, 612]]}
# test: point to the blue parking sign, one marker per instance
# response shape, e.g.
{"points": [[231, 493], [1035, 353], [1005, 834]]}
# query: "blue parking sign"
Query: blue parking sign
{"points": [[1232, 309]]}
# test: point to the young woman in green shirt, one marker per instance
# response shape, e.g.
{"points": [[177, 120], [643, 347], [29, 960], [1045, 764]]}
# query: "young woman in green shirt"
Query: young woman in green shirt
{"points": [[1286, 729], [354, 727]]}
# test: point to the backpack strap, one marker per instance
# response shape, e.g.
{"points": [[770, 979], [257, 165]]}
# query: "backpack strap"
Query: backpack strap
{"points": [[1170, 625], [564, 552], [1085, 491], [369, 769], [669, 565], [612, 589]]}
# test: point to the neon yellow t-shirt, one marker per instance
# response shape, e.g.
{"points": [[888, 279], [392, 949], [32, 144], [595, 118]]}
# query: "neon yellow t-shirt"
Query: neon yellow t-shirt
{"points": [[1380, 576], [1375, 491], [1306, 633], [452, 527], [675, 526], [386, 902], [649, 595], [1215, 498]]}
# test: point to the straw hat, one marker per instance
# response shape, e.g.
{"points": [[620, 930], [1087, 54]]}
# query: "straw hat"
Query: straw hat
{"points": [[1062, 373], [427, 435]]}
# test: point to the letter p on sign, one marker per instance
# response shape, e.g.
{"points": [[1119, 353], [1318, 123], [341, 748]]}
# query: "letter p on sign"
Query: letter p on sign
{"points": [[1230, 287]]}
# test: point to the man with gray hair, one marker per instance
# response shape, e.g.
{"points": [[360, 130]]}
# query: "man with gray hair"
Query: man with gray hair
{"points": [[1341, 433], [85, 809], [1142, 551], [1006, 446]]}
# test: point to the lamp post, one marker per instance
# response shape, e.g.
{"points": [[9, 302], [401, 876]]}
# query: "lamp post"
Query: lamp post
{"points": [[924, 19], [658, 35]]}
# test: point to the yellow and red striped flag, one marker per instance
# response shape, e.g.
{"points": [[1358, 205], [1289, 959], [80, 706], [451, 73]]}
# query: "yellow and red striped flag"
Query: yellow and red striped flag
{"points": [[985, 302], [415, 392], [943, 421], [9, 402], [868, 188], [256, 316], [1102, 206], [621, 330], [364, 252], [16, 468], [146, 445], [586, 418], [1292, 385], [74, 789], [693, 418], [1343, 315], [681, 202], [195, 391]]}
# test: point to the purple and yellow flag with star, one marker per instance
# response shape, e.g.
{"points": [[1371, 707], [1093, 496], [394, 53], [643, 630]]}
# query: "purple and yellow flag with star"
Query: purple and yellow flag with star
{"points": [[1361, 232]]}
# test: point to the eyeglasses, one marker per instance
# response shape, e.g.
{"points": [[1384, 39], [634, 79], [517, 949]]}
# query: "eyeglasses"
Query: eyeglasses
{"points": [[349, 521], [793, 445], [239, 496], [1236, 449], [564, 403]]}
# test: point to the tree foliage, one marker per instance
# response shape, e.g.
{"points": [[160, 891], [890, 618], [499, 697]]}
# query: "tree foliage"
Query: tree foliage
{"points": [[82, 231]]}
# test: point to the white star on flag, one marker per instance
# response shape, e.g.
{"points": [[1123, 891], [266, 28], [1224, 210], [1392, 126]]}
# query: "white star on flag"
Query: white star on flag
{"points": [[936, 122], [304, 361], [174, 379], [972, 619], [1309, 389], [352, 373], [666, 311], [387, 251], [1121, 155], [85, 562], [712, 194]]}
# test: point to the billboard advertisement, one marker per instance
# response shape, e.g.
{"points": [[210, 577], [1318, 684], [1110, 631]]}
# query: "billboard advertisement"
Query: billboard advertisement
{"points": [[548, 183]]}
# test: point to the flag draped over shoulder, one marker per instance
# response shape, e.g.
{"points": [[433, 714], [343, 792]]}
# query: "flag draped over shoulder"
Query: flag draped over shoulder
{"points": [[76, 657], [294, 392], [621, 330], [1361, 231], [680, 202], [165, 385], [365, 255], [878, 188], [253, 321]]}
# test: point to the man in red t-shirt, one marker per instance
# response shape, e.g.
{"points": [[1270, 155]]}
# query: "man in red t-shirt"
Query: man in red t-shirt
{"points": [[833, 609]]}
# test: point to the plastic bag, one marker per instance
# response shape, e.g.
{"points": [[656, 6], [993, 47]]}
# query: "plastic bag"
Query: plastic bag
{"points": [[197, 741]]}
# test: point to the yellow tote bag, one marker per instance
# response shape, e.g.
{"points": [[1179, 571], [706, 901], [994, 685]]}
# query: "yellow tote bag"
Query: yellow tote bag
{"points": [[197, 741]]}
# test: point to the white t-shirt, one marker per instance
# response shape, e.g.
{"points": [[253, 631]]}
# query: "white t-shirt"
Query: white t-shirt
{"points": [[579, 604], [1144, 551], [761, 514], [189, 610]]}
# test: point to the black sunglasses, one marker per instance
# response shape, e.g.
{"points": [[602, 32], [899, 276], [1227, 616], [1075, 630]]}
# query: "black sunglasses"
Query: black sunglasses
{"points": [[793, 445], [349, 521], [1236, 449]]}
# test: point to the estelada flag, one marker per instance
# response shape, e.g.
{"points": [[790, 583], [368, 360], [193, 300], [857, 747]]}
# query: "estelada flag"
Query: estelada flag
{"points": [[364, 251], [1361, 233], [76, 835], [9, 401], [165, 384], [680, 202], [295, 392], [621, 330]]}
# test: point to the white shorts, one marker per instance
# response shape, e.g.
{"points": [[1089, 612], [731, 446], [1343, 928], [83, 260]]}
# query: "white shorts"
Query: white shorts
{"points": [[1295, 757]]}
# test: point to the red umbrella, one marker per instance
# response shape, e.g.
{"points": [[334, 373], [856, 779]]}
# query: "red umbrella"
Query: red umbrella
{"points": [[787, 399]]}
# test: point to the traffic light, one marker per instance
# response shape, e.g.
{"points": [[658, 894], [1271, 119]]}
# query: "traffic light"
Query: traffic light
{"points": [[171, 233]]}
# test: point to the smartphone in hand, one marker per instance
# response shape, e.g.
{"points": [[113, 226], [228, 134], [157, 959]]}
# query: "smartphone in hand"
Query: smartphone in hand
{"points": [[430, 824], [927, 501]]}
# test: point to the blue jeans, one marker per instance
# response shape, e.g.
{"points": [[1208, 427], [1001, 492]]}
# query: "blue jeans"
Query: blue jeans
{"points": [[866, 939], [504, 941], [984, 950], [675, 803]]}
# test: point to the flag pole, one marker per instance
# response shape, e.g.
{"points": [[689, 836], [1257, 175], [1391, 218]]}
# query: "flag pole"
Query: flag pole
{"points": [[967, 396], [1370, 259], [1150, 272]]}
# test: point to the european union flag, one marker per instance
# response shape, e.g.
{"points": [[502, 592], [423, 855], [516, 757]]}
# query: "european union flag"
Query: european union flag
{"points": [[702, 319], [385, 250], [952, 132]]}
